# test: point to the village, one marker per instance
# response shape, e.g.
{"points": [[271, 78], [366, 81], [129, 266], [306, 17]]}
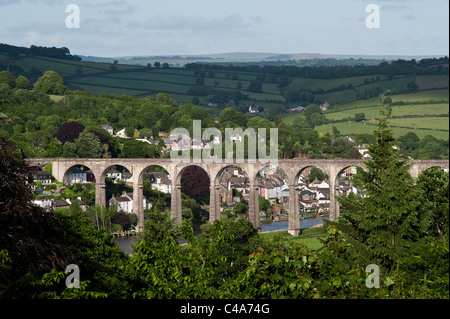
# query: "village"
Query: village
{"points": [[313, 189]]}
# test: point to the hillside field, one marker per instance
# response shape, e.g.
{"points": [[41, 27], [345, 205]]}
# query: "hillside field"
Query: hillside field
{"points": [[142, 81], [424, 110]]}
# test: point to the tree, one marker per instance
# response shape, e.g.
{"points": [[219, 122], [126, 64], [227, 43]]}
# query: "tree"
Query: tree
{"points": [[22, 83], [410, 142], [297, 149], [121, 218], [311, 110], [336, 133], [165, 123], [412, 86], [434, 196], [195, 184], [88, 146], [23, 223], [317, 119], [166, 99], [232, 118], [240, 208], [69, 131], [50, 83], [387, 100], [5, 91], [317, 173], [264, 204], [157, 65], [381, 225], [359, 117], [139, 149], [259, 122], [7, 77]]}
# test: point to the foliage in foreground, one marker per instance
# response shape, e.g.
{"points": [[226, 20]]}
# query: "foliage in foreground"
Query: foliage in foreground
{"points": [[405, 235]]}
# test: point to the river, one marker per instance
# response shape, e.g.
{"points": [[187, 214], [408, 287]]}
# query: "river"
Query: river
{"points": [[126, 242]]}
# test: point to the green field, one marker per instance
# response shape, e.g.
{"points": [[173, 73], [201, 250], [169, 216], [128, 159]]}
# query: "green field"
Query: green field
{"points": [[309, 237], [426, 82], [67, 68], [431, 123], [354, 128], [423, 112], [373, 112], [442, 94]]}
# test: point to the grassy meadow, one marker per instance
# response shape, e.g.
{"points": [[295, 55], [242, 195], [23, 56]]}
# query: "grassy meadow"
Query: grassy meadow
{"points": [[309, 237]]}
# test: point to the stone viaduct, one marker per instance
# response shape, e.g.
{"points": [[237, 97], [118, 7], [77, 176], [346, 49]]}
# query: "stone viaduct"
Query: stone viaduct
{"points": [[293, 169]]}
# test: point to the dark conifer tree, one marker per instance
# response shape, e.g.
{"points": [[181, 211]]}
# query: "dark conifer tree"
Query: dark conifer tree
{"points": [[382, 225]]}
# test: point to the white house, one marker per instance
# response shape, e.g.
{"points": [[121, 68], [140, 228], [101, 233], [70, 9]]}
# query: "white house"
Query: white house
{"points": [[77, 175], [44, 177], [160, 181], [107, 128], [253, 109], [47, 204], [121, 133], [113, 174], [325, 106], [125, 203], [364, 151]]}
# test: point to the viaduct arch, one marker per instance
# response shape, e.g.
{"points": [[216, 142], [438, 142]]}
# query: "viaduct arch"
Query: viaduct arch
{"points": [[292, 168]]}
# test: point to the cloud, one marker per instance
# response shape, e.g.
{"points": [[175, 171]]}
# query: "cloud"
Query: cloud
{"points": [[35, 37], [409, 17], [46, 2], [104, 26], [395, 7], [234, 21], [116, 8], [39, 27], [6, 2]]}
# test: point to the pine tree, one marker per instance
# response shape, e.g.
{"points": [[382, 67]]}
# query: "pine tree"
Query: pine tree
{"points": [[382, 225]]}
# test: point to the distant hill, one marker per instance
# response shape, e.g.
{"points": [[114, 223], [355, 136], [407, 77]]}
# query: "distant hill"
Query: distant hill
{"points": [[255, 58], [208, 58], [252, 57]]}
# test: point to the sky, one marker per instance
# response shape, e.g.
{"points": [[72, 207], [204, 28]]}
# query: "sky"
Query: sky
{"points": [[175, 27]]}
